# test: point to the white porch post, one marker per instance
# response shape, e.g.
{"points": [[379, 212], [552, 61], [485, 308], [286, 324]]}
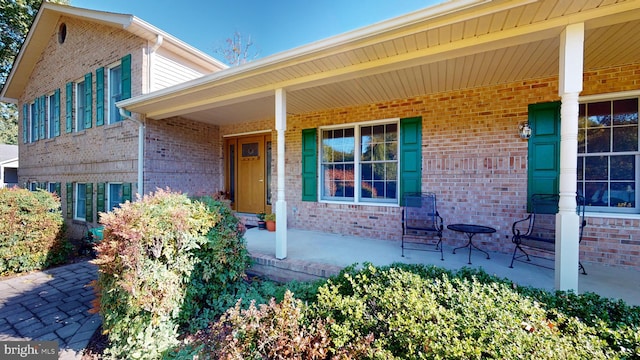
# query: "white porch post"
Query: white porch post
{"points": [[567, 221], [281, 204]]}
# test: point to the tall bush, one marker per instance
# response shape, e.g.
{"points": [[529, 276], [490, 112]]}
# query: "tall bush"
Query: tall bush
{"points": [[146, 262], [32, 232], [222, 261]]}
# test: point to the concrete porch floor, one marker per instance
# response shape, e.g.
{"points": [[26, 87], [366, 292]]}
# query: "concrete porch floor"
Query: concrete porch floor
{"points": [[312, 255]]}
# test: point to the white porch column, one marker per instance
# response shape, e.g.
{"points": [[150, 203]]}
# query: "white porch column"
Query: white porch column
{"points": [[567, 220], [281, 204]]}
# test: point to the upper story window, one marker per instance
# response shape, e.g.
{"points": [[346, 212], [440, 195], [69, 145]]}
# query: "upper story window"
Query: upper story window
{"points": [[33, 122], [50, 119], [115, 93], [62, 33], [81, 104], [360, 163], [608, 156]]}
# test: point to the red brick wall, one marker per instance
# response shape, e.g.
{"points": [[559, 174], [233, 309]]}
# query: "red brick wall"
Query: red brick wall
{"points": [[99, 154], [182, 155], [473, 159]]}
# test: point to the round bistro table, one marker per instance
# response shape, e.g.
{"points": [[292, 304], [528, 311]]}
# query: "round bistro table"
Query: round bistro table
{"points": [[471, 230]]}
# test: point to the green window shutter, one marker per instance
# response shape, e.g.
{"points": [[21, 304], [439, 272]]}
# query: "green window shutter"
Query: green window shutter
{"points": [[57, 189], [88, 100], [410, 156], [126, 192], [100, 198], [25, 123], [543, 167], [100, 96], [309, 165], [89, 203], [69, 200], [56, 113], [126, 76], [43, 116], [69, 107]]}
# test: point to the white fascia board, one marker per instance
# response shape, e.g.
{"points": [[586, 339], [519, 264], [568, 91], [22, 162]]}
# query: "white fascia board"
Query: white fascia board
{"points": [[332, 43]]}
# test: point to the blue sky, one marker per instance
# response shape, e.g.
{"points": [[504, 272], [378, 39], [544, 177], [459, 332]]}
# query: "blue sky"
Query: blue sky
{"points": [[274, 25]]}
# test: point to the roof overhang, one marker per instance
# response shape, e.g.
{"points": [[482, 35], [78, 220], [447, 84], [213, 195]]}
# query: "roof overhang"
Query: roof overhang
{"points": [[454, 45], [45, 24]]}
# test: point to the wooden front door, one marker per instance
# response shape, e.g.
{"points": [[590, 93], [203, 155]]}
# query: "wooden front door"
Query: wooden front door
{"points": [[251, 180]]}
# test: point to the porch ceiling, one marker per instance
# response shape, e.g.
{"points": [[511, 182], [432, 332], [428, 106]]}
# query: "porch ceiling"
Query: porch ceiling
{"points": [[429, 51]]}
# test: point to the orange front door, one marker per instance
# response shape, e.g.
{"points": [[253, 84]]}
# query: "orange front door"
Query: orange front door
{"points": [[251, 181]]}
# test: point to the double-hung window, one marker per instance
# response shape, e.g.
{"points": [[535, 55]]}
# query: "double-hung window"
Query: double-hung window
{"points": [[33, 122], [359, 163], [115, 93], [81, 105], [50, 116], [608, 156], [80, 201], [115, 196]]}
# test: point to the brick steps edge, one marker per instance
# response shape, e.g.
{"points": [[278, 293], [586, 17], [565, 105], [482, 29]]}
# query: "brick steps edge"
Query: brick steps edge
{"points": [[285, 270]]}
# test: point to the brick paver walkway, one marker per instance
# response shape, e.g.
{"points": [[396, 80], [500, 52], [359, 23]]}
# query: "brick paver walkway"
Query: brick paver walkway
{"points": [[51, 306]]}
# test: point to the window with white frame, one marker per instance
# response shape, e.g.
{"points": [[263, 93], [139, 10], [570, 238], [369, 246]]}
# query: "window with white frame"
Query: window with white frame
{"points": [[80, 201], [115, 93], [33, 186], [115, 196], [52, 187], [50, 120], [608, 155], [33, 122], [359, 163], [80, 104]]}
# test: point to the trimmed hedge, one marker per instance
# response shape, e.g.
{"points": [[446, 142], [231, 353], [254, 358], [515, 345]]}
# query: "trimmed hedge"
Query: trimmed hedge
{"points": [[32, 232], [424, 312]]}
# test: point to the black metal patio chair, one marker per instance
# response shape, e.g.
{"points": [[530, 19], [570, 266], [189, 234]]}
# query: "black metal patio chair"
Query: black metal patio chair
{"points": [[420, 219], [537, 232]]}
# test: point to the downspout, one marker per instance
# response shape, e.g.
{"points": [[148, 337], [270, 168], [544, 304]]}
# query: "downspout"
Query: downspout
{"points": [[141, 126]]}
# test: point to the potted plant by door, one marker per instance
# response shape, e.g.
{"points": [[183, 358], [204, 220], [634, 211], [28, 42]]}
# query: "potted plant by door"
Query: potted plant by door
{"points": [[270, 219], [261, 223]]}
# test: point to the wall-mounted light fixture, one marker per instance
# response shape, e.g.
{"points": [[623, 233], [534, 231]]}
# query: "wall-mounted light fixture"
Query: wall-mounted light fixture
{"points": [[524, 131]]}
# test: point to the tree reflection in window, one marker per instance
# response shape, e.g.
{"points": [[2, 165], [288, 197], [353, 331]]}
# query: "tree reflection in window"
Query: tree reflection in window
{"points": [[607, 152], [376, 163], [379, 165]]}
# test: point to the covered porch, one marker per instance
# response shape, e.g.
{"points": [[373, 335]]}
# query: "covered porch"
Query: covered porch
{"points": [[313, 255], [469, 70]]}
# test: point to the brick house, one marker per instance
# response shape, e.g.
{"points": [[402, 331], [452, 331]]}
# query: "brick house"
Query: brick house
{"points": [[329, 135], [73, 140]]}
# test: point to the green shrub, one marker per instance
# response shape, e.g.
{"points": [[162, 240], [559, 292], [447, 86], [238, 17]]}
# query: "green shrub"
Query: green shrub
{"points": [[32, 232], [146, 260], [274, 331], [612, 320], [418, 312], [415, 317], [222, 261]]}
